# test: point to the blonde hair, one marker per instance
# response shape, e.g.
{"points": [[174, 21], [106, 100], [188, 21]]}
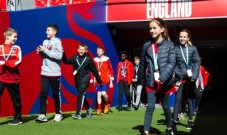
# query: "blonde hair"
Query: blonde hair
{"points": [[189, 42], [162, 24], [101, 48], [9, 32]]}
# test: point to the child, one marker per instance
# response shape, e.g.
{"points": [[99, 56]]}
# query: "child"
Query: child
{"points": [[135, 83], [51, 52], [156, 70], [10, 58], [82, 67], [105, 70], [125, 73], [187, 68]]}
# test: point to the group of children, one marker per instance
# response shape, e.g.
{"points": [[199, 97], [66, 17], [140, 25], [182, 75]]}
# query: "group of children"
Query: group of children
{"points": [[164, 65], [52, 54], [159, 67]]}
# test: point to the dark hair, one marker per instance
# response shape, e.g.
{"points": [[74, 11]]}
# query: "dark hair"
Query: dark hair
{"points": [[162, 24], [189, 35], [83, 45], [124, 52], [54, 26]]}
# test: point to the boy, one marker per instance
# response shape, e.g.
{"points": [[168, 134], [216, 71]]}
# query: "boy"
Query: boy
{"points": [[82, 67], [51, 51], [138, 88], [125, 73], [105, 70], [10, 58]]}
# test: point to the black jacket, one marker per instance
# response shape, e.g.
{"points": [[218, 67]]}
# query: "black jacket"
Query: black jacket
{"points": [[166, 63], [193, 62], [82, 78]]}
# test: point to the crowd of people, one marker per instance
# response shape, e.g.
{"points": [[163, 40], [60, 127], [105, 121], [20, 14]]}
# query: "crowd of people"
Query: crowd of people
{"points": [[163, 68]]}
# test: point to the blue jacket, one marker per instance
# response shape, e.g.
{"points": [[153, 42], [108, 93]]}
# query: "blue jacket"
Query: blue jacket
{"points": [[193, 62], [166, 63]]}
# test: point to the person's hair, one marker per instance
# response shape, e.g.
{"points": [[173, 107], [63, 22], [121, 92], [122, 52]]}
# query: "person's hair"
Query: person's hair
{"points": [[9, 32], [124, 52], [54, 26], [189, 35], [136, 58], [83, 45], [99, 47], [162, 24]]}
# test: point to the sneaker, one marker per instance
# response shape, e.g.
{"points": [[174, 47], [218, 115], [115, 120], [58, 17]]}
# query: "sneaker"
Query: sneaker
{"points": [[99, 112], [136, 107], [190, 125], [41, 118], [106, 109], [77, 116], [174, 126], [169, 132], [15, 122], [88, 114], [58, 117], [181, 116]]}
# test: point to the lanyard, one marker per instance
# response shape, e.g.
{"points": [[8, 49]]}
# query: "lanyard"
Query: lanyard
{"points": [[99, 66], [155, 56], [81, 63], [123, 67], [137, 67], [8, 54], [185, 59]]}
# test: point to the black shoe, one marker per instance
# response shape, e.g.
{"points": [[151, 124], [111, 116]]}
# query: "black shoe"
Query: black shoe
{"points": [[15, 122], [136, 107], [169, 132], [174, 126], [190, 125]]}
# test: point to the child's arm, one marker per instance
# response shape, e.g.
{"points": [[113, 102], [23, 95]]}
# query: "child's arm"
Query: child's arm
{"points": [[15, 62], [111, 70], [56, 52], [111, 82], [94, 70], [65, 60]]}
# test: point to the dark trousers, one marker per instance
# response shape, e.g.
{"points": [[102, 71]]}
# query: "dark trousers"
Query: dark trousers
{"points": [[151, 99], [81, 100], [198, 97], [124, 87], [187, 90], [54, 82], [14, 93]]}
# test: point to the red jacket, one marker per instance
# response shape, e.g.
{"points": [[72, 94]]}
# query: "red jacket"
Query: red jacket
{"points": [[104, 68], [11, 56], [129, 71]]}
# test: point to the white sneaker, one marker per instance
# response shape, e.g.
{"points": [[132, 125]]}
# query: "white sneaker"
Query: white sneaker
{"points": [[41, 118], [58, 117]]}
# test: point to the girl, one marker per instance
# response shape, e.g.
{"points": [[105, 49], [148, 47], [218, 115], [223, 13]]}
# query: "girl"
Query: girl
{"points": [[156, 71], [187, 68]]}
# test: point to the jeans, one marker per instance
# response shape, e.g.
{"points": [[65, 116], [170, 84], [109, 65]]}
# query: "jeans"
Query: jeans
{"points": [[151, 98]]}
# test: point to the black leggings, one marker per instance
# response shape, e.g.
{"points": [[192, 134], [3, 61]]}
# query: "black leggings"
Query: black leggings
{"points": [[187, 90], [198, 96]]}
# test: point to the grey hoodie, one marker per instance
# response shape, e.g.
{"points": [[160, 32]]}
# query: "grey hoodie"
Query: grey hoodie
{"points": [[52, 56]]}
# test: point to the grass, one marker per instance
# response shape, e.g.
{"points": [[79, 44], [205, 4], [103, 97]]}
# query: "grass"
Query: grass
{"points": [[114, 123]]}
